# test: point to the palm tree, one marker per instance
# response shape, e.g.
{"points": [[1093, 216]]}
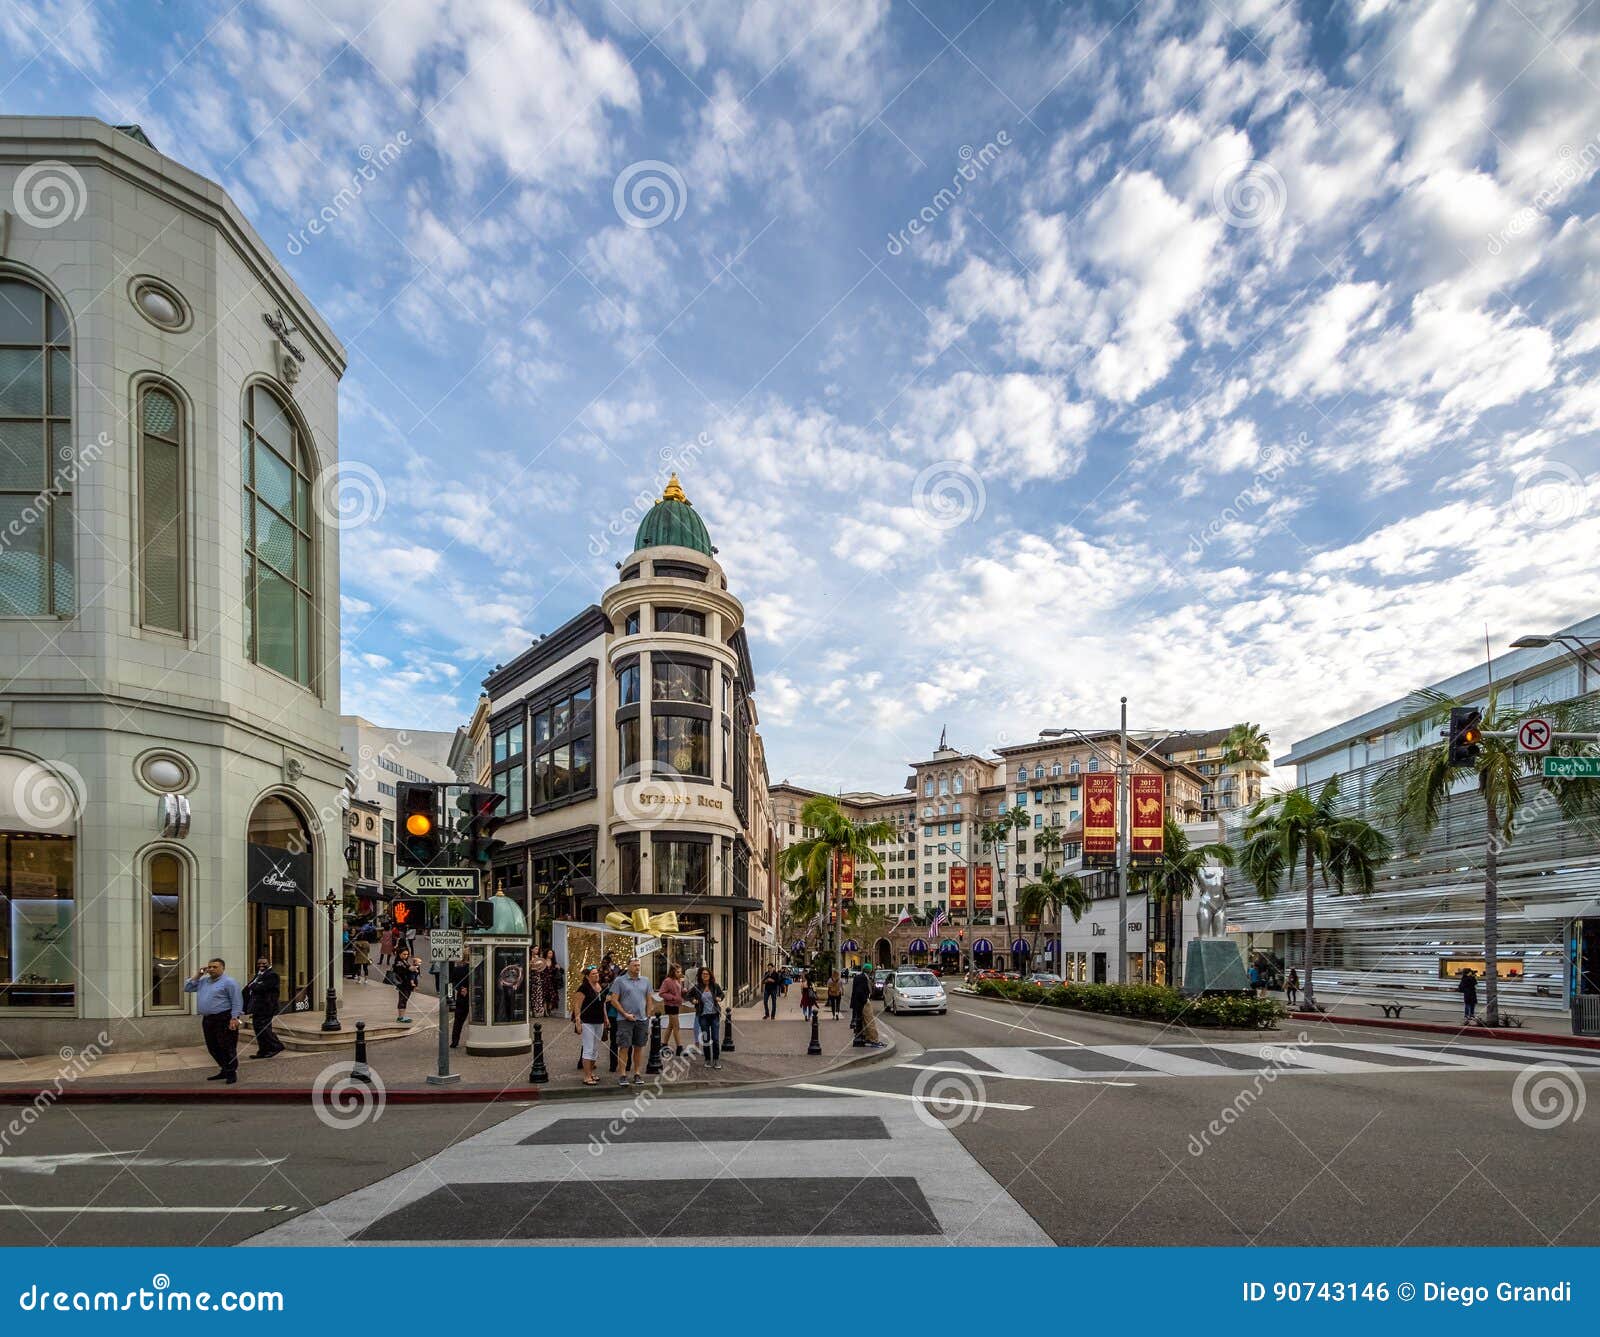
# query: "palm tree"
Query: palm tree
{"points": [[998, 832], [1246, 742], [1179, 876], [1292, 830], [807, 865], [1413, 794], [1052, 891]]}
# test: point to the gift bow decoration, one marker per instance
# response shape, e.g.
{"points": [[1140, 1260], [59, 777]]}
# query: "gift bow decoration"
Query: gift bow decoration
{"points": [[642, 921]]}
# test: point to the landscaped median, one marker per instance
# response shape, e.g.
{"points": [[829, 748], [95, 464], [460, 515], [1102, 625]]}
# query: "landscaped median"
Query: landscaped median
{"points": [[1145, 1002]]}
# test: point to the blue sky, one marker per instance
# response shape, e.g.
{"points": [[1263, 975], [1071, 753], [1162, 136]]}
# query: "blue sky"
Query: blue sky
{"points": [[1241, 358]]}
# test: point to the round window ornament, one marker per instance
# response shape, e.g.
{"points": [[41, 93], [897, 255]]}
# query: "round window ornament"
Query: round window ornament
{"points": [[160, 304], [163, 773]]}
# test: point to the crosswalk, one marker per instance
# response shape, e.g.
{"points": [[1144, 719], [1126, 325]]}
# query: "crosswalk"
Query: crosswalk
{"points": [[1124, 1064], [752, 1170]]}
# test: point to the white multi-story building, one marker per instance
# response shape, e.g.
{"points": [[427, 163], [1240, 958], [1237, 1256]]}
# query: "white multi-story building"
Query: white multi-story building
{"points": [[379, 760], [169, 594]]}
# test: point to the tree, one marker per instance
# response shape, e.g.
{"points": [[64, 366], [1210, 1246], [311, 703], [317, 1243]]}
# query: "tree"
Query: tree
{"points": [[1178, 876], [996, 833], [1052, 891], [807, 865], [1414, 792], [1290, 831], [1246, 742]]}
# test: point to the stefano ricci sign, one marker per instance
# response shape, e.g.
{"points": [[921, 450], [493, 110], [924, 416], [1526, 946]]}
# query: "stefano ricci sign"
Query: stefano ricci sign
{"points": [[279, 877]]}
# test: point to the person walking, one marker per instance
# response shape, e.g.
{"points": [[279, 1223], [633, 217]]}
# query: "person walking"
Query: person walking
{"points": [[630, 996], [771, 982], [835, 993], [221, 1008], [363, 951], [460, 996], [260, 999], [589, 1021], [386, 943], [1255, 979], [808, 998], [1291, 986], [705, 996], [1468, 986], [860, 996], [406, 975], [671, 1006]]}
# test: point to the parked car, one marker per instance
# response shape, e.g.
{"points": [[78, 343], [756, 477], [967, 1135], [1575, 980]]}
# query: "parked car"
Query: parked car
{"points": [[914, 991], [987, 975], [879, 979], [1045, 978]]}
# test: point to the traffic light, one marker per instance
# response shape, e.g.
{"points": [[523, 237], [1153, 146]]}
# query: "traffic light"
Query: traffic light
{"points": [[418, 840], [477, 845], [483, 915], [412, 914], [1466, 735]]}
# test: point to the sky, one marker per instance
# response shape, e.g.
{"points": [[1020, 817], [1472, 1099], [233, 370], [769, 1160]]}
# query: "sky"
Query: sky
{"points": [[1237, 357]]}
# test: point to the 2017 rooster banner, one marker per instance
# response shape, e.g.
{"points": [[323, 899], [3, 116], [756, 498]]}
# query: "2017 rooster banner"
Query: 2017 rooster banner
{"points": [[958, 890], [1148, 828], [982, 887], [1099, 821], [844, 876]]}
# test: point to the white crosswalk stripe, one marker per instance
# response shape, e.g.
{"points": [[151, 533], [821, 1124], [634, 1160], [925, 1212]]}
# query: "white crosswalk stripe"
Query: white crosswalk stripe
{"points": [[715, 1170]]}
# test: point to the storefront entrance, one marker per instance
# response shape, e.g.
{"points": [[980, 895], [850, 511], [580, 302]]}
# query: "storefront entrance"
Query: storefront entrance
{"points": [[280, 871]]}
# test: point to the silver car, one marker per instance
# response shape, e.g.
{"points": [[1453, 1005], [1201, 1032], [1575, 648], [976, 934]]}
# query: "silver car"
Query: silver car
{"points": [[914, 991]]}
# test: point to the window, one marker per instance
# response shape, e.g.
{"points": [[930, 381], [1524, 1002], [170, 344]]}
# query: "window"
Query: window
{"points": [[958, 784], [941, 828], [1075, 815], [37, 922], [685, 621], [1094, 763], [37, 458], [627, 867], [944, 786], [563, 747], [162, 507], [628, 685], [1055, 769], [510, 768], [388, 866], [681, 867], [1022, 799], [1038, 819], [683, 742], [1038, 771], [630, 623], [388, 830], [277, 528], [676, 680], [1074, 767], [628, 750], [1038, 796], [927, 789], [561, 876], [164, 879]]}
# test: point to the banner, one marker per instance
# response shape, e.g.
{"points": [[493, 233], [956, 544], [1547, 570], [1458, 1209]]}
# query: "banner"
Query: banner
{"points": [[844, 876], [958, 889], [982, 887], [1100, 821], [1149, 802]]}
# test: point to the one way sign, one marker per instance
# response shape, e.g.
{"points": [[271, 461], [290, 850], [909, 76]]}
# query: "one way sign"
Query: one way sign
{"points": [[438, 882]]}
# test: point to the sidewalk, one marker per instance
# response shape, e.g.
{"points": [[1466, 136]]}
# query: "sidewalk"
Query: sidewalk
{"points": [[763, 1051], [1542, 1028]]}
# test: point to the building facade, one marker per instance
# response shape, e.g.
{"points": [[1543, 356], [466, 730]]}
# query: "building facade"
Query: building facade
{"points": [[626, 745], [170, 772], [1411, 938], [1228, 785]]}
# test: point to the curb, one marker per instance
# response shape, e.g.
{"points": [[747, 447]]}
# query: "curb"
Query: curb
{"points": [[1200, 1031], [1521, 1035]]}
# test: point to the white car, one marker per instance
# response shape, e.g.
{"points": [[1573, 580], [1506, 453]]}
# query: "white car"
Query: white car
{"points": [[914, 991]]}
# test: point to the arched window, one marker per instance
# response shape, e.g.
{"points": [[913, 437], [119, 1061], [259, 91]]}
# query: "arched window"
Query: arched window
{"points": [[1038, 771], [1094, 763], [958, 784], [1075, 767], [164, 885], [38, 462], [162, 512], [278, 529], [1055, 769]]}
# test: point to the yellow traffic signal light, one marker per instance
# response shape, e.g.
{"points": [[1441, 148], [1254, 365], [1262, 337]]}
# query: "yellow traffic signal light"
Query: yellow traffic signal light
{"points": [[419, 824]]}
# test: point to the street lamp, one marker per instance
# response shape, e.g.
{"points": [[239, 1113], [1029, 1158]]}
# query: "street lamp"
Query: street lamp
{"points": [[330, 1011], [1566, 642]]}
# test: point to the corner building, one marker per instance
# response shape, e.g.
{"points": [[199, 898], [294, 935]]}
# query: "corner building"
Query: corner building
{"points": [[626, 745]]}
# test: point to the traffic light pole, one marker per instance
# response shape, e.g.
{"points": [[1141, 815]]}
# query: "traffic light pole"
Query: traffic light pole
{"points": [[1124, 787], [444, 1076]]}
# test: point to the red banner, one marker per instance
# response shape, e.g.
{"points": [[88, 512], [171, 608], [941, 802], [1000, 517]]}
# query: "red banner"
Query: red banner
{"points": [[982, 887], [958, 889], [844, 876], [1149, 801], [1099, 821]]}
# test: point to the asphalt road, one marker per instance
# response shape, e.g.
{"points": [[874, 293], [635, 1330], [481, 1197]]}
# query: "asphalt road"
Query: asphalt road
{"points": [[993, 1124]]}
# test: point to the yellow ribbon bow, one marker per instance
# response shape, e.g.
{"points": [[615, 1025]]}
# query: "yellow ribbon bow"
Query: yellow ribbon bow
{"points": [[642, 921]]}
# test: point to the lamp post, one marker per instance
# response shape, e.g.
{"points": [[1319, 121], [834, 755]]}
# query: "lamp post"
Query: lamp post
{"points": [[330, 1007], [1566, 642]]}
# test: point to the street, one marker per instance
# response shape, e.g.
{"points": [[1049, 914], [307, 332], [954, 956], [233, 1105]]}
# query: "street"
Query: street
{"points": [[991, 1125]]}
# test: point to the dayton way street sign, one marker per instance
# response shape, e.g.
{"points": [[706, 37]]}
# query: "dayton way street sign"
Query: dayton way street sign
{"points": [[1572, 768], [438, 882]]}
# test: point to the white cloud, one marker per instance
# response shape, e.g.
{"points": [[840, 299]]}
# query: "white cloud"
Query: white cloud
{"points": [[1014, 426]]}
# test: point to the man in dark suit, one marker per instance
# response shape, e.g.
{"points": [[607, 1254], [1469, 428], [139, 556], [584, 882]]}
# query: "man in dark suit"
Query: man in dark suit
{"points": [[261, 998], [460, 996]]}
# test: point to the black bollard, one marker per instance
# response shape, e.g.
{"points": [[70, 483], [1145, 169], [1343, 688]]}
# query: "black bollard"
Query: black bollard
{"points": [[727, 1034], [815, 1047], [653, 1065], [360, 1072], [538, 1074]]}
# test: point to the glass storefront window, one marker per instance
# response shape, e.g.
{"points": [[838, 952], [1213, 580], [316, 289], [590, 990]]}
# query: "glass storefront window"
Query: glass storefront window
{"points": [[681, 867], [36, 937], [689, 683], [164, 888], [683, 743]]}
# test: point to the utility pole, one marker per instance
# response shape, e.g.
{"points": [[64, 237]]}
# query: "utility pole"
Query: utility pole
{"points": [[1124, 798]]}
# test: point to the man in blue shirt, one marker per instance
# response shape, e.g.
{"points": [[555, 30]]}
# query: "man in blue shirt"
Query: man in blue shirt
{"points": [[221, 1010]]}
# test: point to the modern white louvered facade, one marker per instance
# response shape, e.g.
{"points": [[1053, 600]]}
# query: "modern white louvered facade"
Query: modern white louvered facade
{"points": [[1424, 922]]}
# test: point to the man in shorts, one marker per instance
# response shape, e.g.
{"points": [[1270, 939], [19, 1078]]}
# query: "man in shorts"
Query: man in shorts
{"points": [[630, 997]]}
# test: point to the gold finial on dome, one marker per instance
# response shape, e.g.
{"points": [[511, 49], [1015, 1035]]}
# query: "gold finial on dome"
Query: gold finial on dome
{"points": [[674, 492]]}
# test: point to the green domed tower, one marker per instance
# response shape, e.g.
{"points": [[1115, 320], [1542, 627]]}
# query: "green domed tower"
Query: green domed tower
{"points": [[672, 522]]}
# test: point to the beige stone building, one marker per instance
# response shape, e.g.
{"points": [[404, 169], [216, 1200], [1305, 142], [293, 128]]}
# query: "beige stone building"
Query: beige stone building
{"points": [[1228, 787]]}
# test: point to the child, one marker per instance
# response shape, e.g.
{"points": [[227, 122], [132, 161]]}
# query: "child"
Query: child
{"points": [[808, 999]]}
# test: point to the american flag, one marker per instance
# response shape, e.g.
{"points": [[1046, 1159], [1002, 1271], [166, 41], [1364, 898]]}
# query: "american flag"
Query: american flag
{"points": [[936, 921]]}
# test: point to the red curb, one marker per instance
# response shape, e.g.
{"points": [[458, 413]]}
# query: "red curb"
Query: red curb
{"points": [[280, 1095], [1460, 1032]]}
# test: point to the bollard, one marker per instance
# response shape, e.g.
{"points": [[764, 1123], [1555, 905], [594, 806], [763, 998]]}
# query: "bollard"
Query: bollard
{"points": [[538, 1074], [360, 1072], [727, 1034], [815, 1047], [653, 1065]]}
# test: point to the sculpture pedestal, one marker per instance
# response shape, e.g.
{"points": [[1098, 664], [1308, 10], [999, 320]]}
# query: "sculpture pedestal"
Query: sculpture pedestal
{"points": [[1214, 965]]}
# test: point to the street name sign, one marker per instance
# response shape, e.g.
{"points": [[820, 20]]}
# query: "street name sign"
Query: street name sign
{"points": [[444, 944], [439, 881], [1535, 735], [1572, 768]]}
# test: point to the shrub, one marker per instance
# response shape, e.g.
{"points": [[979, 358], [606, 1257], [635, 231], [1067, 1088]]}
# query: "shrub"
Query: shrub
{"points": [[1149, 1002]]}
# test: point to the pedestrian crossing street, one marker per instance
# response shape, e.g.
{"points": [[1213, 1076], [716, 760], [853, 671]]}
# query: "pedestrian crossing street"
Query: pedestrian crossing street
{"points": [[1130, 1064], [748, 1170]]}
